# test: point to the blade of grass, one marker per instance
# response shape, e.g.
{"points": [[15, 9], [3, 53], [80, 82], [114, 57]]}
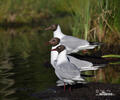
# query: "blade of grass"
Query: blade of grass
{"points": [[111, 55]]}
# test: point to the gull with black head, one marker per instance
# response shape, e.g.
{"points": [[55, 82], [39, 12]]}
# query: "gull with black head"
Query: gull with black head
{"points": [[72, 44], [82, 65], [65, 70]]}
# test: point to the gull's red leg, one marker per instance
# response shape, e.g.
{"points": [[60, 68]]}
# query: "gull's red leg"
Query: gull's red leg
{"points": [[70, 89]]}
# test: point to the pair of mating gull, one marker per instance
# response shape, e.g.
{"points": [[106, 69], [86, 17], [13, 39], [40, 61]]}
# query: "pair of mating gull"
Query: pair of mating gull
{"points": [[68, 68]]}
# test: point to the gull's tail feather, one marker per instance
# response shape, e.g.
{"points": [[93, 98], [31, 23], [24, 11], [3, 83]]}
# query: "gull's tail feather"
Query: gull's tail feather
{"points": [[96, 43], [83, 82], [89, 68], [78, 78], [88, 47], [99, 65]]}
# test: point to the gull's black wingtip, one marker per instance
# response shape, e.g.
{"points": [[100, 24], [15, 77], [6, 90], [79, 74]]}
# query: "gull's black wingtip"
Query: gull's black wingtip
{"points": [[96, 43]]}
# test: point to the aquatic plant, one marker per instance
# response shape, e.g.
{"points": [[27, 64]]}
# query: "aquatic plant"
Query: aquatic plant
{"points": [[111, 55]]}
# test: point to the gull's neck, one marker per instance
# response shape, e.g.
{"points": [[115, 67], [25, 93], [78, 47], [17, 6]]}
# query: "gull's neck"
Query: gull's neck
{"points": [[58, 33], [62, 57], [53, 57]]}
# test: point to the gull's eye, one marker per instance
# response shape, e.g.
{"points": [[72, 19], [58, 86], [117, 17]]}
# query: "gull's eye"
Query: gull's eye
{"points": [[54, 40], [59, 47], [53, 26]]}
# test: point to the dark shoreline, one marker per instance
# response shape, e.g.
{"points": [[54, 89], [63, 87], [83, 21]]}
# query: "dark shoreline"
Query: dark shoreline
{"points": [[89, 91]]}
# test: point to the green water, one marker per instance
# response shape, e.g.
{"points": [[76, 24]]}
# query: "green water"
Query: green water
{"points": [[23, 54], [23, 64]]}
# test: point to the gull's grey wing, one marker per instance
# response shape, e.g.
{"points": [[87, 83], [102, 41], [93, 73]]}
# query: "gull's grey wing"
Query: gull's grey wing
{"points": [[67, 70], [73, 42], [55, 62], [79, 63]]}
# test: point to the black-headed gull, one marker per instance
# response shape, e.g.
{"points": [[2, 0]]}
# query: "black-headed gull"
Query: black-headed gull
{"points": [[81, 64], [65, 70], [72, 44]]}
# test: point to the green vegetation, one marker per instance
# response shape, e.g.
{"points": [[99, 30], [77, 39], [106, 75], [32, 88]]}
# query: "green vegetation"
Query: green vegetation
{"points": [[95, 20], [22, 38], [23, 10], [115, 56]]}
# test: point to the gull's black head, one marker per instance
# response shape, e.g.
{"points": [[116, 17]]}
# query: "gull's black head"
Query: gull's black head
{"points": [[59, 48], [54, 41], [52, 27]]}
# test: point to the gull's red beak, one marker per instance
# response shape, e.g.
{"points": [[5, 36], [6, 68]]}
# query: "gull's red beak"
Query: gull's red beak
{"points": [[48, 28], [53, 50], [47, 43]]}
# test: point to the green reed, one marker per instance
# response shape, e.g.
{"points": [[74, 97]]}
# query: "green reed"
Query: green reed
{"points": [[111, 55], [94, 20]]}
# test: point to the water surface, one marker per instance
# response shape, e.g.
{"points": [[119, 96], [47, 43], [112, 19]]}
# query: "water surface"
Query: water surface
{"points": [[24, 64]]}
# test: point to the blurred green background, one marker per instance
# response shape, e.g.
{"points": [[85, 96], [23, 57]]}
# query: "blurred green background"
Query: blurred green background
{"points": [[23, 50]]}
